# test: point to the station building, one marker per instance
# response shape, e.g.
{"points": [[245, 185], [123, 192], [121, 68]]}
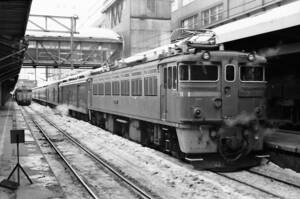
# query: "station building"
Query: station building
{"points": [[195, 14], [143, 24]]}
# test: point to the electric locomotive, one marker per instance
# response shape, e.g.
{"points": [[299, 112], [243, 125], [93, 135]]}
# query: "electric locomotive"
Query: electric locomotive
{"points": [[190, 99]]}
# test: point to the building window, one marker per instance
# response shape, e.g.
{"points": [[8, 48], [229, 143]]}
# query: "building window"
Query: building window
{"points": [[174, 5], [190, 22], [114, 13], [151, 5], [185, 2], [212, 15]]}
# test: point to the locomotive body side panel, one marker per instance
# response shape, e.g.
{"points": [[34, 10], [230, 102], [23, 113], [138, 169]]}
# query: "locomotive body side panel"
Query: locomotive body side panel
{"points": [[123, 92]]}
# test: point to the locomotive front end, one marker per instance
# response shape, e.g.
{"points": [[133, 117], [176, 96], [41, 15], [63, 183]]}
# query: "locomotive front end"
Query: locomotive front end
{"points": [[222, 108]]}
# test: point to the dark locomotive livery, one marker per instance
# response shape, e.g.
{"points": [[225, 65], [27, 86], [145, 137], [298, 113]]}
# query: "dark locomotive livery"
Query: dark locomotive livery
{"points": [[23, 96], [198, 103]]}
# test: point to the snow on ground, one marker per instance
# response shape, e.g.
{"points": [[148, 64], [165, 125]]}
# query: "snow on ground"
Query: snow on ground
{"points": [[163, 174]]}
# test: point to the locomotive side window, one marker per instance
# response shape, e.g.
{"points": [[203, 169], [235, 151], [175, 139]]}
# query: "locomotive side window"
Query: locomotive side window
{"points": [[97, 89], [116, 88], [94, 89], [136, 87], [230, 73], [150, 86], [101, 89], [169, 77], [107, 88], [184, 72], [250, 73], [174, 77], [165, 78], [125, 87]]}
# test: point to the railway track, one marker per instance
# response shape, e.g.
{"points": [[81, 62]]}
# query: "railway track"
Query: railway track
{"points": [[262, 183], [131, 187], [274, 178], [288, 131]]}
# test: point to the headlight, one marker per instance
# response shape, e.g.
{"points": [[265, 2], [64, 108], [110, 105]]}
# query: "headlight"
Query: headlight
{"points": [[206, 55], [251, 57], [197, 112]]}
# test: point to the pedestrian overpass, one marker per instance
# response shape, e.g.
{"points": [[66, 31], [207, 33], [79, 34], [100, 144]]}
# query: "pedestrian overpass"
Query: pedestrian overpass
{"points": [[62, 52]]}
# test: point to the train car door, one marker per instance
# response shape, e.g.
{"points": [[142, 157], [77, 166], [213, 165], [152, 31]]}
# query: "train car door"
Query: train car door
{"points": [[163, 91], [229, 90], [90, 92]]}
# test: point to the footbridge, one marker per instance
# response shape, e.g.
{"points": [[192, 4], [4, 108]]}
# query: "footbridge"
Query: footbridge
{"points": [[57, 51]]}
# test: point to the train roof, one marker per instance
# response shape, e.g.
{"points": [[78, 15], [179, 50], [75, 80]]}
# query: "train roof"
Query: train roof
{"points": [[188, 45]]}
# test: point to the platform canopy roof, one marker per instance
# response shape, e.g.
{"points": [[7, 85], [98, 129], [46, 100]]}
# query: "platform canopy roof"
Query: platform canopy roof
{"points": [[282, 17], [13, 21]]}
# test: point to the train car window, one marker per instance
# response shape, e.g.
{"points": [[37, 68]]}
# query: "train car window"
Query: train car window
{"points": [[155, 86], [165, 78], [133, 82], [204, 72], [184, 72], [146, 86], [54, 94], [248, 73], [140, 89], [94, 89], [150, 86], [116, 88], [97, 89], [174, 77], [107, 88], [230, 73], [101, 89], [169, 77]]}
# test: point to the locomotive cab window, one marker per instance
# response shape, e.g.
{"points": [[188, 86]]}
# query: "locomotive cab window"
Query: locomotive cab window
{"points": [[184, 72], [252, 73], [196, 72], [230, 73]]}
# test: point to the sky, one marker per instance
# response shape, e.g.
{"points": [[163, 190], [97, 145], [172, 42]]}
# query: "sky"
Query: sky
{"points": [[84, 9], [87, 12]]}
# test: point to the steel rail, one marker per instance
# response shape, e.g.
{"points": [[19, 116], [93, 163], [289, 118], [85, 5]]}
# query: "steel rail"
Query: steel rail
{"points": [[288, 131], [250, 185], [95, 157], [275, 179], [63, 158]]}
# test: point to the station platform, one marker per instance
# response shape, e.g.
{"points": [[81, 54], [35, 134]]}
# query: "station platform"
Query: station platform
{"points": [[284, 148], [285, 140], [45, 184]]}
